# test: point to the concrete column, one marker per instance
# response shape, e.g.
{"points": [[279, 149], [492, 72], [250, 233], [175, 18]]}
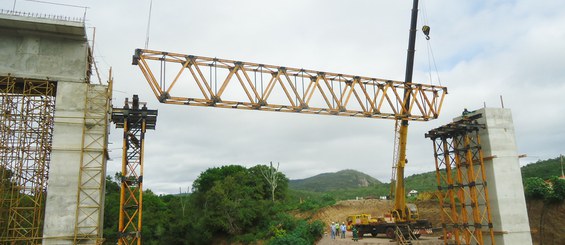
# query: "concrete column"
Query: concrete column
{"points": [[62, 188], [504, 178]]}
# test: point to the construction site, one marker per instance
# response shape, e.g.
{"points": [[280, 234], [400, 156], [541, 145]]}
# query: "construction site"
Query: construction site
{"points": [[57, 112]]}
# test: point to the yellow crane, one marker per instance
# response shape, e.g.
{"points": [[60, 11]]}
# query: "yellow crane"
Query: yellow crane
{"points": [[223, 83]]}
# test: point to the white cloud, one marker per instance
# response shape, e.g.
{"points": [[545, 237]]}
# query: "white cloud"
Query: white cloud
{"points": [[484, 49]]}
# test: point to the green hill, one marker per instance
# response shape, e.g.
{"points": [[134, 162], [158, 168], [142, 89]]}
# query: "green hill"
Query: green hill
{"points": [[361, 185], [543, 169], [344, 179]]}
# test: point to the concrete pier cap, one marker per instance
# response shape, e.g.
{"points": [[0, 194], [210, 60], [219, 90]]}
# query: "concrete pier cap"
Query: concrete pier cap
{"points": [[42, 48]]}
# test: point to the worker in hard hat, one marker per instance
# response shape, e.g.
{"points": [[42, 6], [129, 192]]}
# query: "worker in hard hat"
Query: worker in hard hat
{"points": [[343, 228], [336, 228], [332, 230]]}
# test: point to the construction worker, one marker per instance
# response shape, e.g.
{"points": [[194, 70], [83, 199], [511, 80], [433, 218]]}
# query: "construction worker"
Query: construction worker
{"points": [[355, 235], [336, 228], [343, 228], [332, 230]]}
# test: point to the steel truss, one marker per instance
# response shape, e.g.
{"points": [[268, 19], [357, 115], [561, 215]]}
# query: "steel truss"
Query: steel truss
{"points": [[243, 85], [26, 124], [90, 196], [135, 121], [462, 184]]}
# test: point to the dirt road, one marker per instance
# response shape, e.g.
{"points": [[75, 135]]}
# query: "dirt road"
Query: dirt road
{"points": [[326, 240]]}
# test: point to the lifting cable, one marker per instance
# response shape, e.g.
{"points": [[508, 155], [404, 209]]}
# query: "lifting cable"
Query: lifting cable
{"points": [[332, 88], [255, 82], [340, 91], [261, 72], [303, 92], [216, 74], [295, 91], [431, 58], [162, 74], [210, 77]]}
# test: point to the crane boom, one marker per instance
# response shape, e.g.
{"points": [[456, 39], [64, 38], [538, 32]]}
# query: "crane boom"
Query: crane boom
{"points": [[400, 193], [204, 81]]}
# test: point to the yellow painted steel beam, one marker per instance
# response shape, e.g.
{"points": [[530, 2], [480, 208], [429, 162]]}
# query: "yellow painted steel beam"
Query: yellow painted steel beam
{"points": [[233, 84]]}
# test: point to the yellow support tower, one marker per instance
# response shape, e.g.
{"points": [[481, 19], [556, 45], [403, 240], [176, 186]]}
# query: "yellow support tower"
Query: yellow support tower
{"points": [[135, 120], [462, 184]]}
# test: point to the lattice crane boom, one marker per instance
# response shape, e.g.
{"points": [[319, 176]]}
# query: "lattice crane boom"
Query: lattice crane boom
{"points": [[205, 81]]}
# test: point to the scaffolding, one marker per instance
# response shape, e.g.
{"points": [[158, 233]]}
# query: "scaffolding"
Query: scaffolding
{"points": [[26, 124], [135, 121], [94, 154], [462, 184]]}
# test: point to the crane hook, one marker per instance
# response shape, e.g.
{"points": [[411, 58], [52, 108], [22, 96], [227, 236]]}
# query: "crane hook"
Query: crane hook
{"points": [[426, 30]]}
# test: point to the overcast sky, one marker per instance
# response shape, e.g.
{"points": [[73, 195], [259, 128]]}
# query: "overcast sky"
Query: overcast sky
{"points": [[482, 49]]}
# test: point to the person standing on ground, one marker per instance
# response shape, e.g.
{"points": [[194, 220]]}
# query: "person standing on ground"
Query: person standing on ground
{"points": [[337, 229], [343, 228], [355, 235], [332, 230]]}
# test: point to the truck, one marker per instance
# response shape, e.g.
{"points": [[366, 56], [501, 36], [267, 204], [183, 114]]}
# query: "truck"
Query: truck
{"points": [[389, 226]]}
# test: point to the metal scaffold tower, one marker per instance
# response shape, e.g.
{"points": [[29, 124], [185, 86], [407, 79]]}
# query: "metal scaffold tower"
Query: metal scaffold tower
{"points": [[26, 124], [135, 121], [462, 185], [94, 154]]}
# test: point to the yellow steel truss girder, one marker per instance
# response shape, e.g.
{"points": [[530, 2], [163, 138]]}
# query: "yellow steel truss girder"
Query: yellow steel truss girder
{"points": [[323, 93]]}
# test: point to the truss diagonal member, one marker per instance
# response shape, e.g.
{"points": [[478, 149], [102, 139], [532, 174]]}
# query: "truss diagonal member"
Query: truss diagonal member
{"points": [[317, 96]]}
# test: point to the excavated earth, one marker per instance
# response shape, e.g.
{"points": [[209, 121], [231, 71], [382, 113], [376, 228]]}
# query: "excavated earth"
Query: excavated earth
{"points": [[547, 221]]}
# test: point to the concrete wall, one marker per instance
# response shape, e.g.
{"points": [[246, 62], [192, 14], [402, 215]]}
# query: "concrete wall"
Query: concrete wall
{"points": [[506, 193]]}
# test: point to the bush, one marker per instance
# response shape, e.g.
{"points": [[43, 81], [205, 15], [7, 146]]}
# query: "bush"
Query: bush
{"points": [[557, 192], [288, 240], [536, 188], [286, 229]]}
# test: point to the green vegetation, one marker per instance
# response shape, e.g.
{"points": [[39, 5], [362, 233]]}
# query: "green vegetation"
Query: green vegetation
{"points": [[533, 175], [234, 204], [552, 191], [231, 203], [344, 179], [344, 185], [542, 169]]}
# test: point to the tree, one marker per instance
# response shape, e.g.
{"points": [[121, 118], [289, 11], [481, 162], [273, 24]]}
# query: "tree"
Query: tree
{"points": [[280, 192], [271, 175]]}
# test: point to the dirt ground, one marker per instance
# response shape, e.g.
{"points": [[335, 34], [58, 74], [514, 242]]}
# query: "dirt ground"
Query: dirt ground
{"points": [[326, 240], [547, 221], [374, 207]]}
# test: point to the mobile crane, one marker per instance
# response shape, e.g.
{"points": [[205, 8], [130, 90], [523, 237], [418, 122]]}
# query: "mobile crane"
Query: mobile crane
{"points": [[403, 220], [300, 91]]}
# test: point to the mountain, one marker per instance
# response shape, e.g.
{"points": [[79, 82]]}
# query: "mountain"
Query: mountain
{"points": [[344, 179], [366, 185]]}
